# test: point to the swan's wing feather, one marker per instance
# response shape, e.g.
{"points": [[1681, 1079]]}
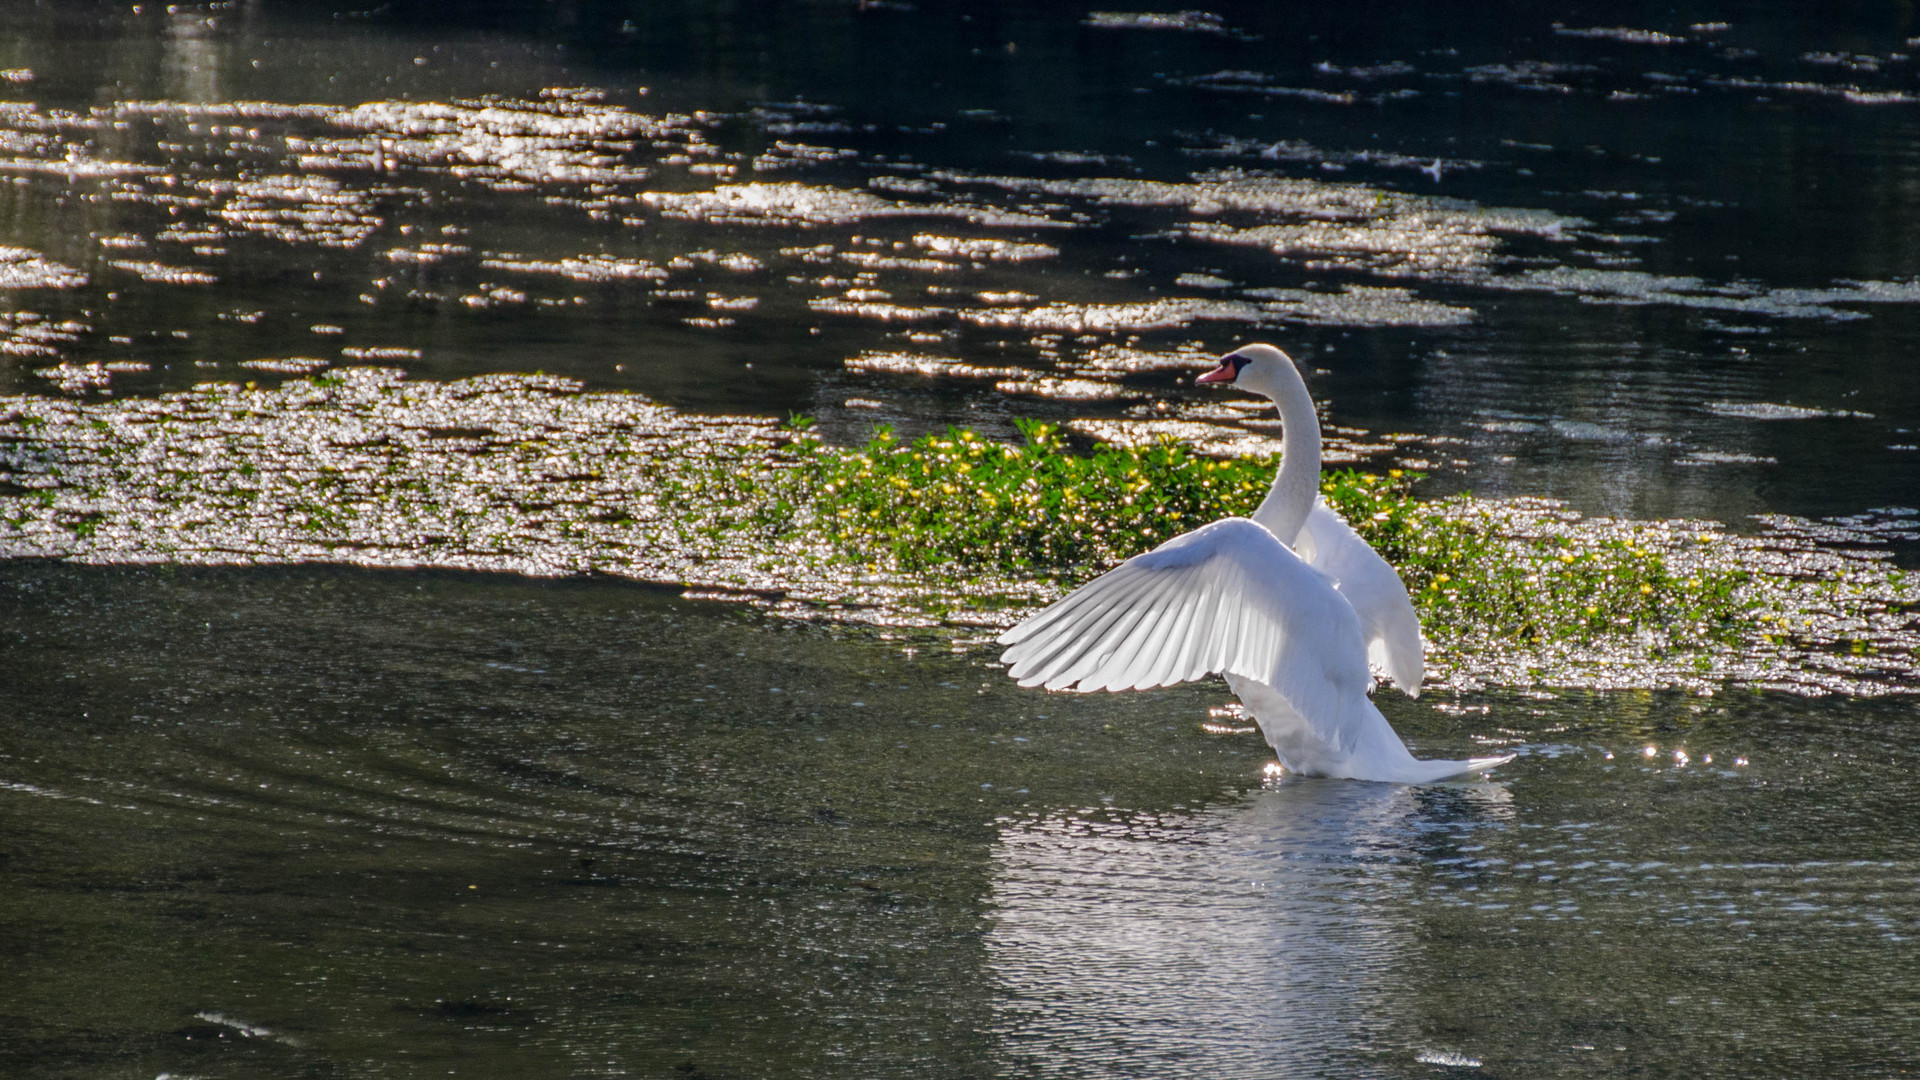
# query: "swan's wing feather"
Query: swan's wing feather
{"points": [[1224, 598], [1387, 619], [1093, 616], [1059, 655], [1146, 664], [1143, 622]]}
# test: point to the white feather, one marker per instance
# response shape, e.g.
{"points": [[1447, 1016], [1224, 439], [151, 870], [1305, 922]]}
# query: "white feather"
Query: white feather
{"points": [[1387, 618]]}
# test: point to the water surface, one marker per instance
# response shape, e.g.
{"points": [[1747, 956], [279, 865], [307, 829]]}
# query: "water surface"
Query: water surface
{"points": [[1653, 260], [371, 824], [1657, 261]]}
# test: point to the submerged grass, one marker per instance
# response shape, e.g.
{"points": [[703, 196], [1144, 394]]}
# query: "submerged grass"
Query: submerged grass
{"points": [[960, 502]]}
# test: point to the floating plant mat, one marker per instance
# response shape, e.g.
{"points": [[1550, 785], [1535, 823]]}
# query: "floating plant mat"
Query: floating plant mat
{"points": [[530, 474]]}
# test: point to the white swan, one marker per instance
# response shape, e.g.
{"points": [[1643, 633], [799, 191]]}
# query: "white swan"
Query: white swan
{"points": [[1289, 606]]}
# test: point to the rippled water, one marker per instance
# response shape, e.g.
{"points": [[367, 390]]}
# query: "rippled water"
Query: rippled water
{"points": [[1654, 261], [342, 823], [1658, 264]]}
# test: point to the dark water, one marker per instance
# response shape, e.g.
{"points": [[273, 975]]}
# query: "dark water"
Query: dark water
{"points": [[325, 823], [1655, 259], [346, 824]]}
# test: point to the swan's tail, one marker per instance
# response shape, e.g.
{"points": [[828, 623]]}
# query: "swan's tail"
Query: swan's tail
{"points": [[1464, 770]]}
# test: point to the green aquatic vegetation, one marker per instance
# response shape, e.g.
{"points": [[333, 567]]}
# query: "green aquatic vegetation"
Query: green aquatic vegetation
{"points": [[85, 525], [1474, 569], [960, 502], [954, 529]]}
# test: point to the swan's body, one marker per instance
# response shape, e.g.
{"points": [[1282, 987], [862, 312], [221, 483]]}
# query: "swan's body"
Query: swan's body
{"points": [[1288, 605]]}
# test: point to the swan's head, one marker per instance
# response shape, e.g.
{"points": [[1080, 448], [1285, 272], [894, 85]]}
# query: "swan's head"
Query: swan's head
{"points": [[1261, 369]]}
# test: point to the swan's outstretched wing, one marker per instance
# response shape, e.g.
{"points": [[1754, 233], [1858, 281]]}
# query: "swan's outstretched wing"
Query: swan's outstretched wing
{"points": [[1227, 597], [1387, 621]]}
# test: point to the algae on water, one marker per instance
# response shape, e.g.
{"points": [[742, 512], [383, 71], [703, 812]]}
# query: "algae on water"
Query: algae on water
{"points": [[530, 474]]}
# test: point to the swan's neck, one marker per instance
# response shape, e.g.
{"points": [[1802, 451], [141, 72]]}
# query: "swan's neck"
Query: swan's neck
{"points": [[1290, 500]]}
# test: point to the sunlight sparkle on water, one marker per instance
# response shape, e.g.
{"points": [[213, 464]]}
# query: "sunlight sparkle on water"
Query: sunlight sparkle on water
{"points": [[1447, 1058]]}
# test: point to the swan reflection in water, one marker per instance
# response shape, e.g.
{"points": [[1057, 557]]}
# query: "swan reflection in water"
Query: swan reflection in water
{"points": [[1259, 938]]}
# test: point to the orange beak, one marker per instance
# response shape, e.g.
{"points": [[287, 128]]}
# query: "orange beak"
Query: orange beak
{"points": [[1225, 373]]}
